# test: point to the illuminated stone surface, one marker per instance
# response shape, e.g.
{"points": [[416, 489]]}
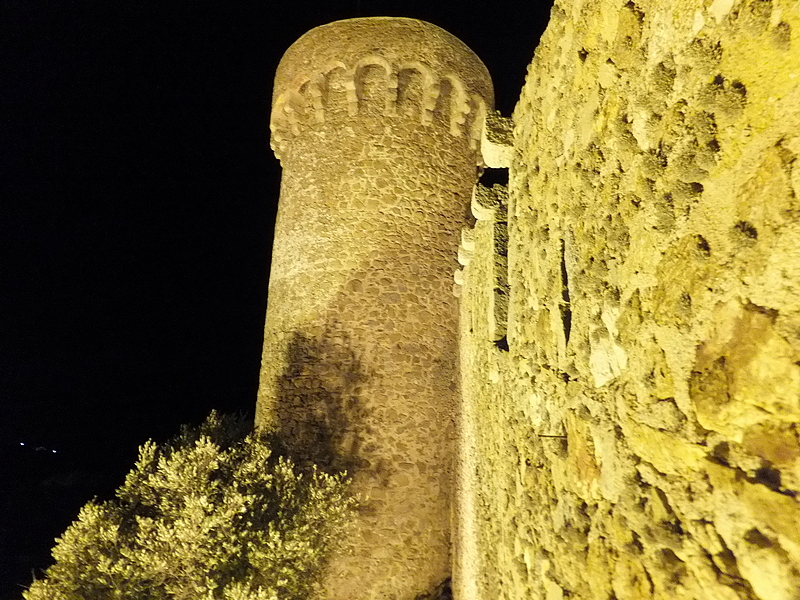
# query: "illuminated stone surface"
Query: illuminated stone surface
{"points": [[653, 322], [377, 124], [630, 305]]}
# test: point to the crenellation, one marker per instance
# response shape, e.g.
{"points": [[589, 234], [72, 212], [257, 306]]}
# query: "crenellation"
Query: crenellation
{"points": [[409, 90], [477, 110], [497, 141], [453, 104], [490, 208], [489, 203], [388, 93]]}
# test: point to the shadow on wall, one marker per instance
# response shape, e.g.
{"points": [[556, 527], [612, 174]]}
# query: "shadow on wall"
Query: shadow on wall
{"points": [[321, 414], [442, 591]]}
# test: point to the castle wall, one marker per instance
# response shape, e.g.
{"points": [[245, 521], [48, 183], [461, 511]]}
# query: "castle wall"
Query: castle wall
{"points": [[376, 122], [639, 438]]}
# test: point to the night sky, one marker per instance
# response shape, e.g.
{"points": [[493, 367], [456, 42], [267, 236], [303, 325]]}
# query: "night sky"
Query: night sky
{"points": [[137, 198]]}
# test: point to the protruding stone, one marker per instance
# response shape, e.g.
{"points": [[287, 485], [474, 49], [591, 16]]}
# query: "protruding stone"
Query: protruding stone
{"points": [[497, 141]]}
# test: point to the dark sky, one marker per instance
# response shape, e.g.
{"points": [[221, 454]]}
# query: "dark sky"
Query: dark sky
{"points": [[137, 194]]}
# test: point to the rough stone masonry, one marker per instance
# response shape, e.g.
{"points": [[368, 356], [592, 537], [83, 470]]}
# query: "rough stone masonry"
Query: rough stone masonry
{"points": [[376, 123], [629, 413], [637, 434]]}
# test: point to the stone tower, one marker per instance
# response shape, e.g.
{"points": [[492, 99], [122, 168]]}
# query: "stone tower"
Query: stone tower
{"points": [[376, 123]]}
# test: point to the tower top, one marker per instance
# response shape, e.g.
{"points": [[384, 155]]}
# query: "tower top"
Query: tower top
{"points": [[342, 51], [398, 40]]}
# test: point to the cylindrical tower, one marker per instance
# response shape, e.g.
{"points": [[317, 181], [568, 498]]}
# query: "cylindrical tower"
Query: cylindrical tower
{"points": [[376, 122]]}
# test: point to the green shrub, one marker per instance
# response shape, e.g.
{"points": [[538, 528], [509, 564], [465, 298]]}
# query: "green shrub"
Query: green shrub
{"points": [[216, 514]]}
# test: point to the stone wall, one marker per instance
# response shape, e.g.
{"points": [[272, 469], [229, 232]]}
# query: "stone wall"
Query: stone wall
{"points": [[630, 421]]}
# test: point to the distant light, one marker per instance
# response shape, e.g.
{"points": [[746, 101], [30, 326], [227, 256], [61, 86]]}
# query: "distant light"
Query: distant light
{"points": [[54, 451], [22, 443]]}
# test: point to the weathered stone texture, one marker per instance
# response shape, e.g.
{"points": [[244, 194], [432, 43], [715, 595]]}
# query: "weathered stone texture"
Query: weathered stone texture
{"points": [[377, 124], [640, 436]]}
